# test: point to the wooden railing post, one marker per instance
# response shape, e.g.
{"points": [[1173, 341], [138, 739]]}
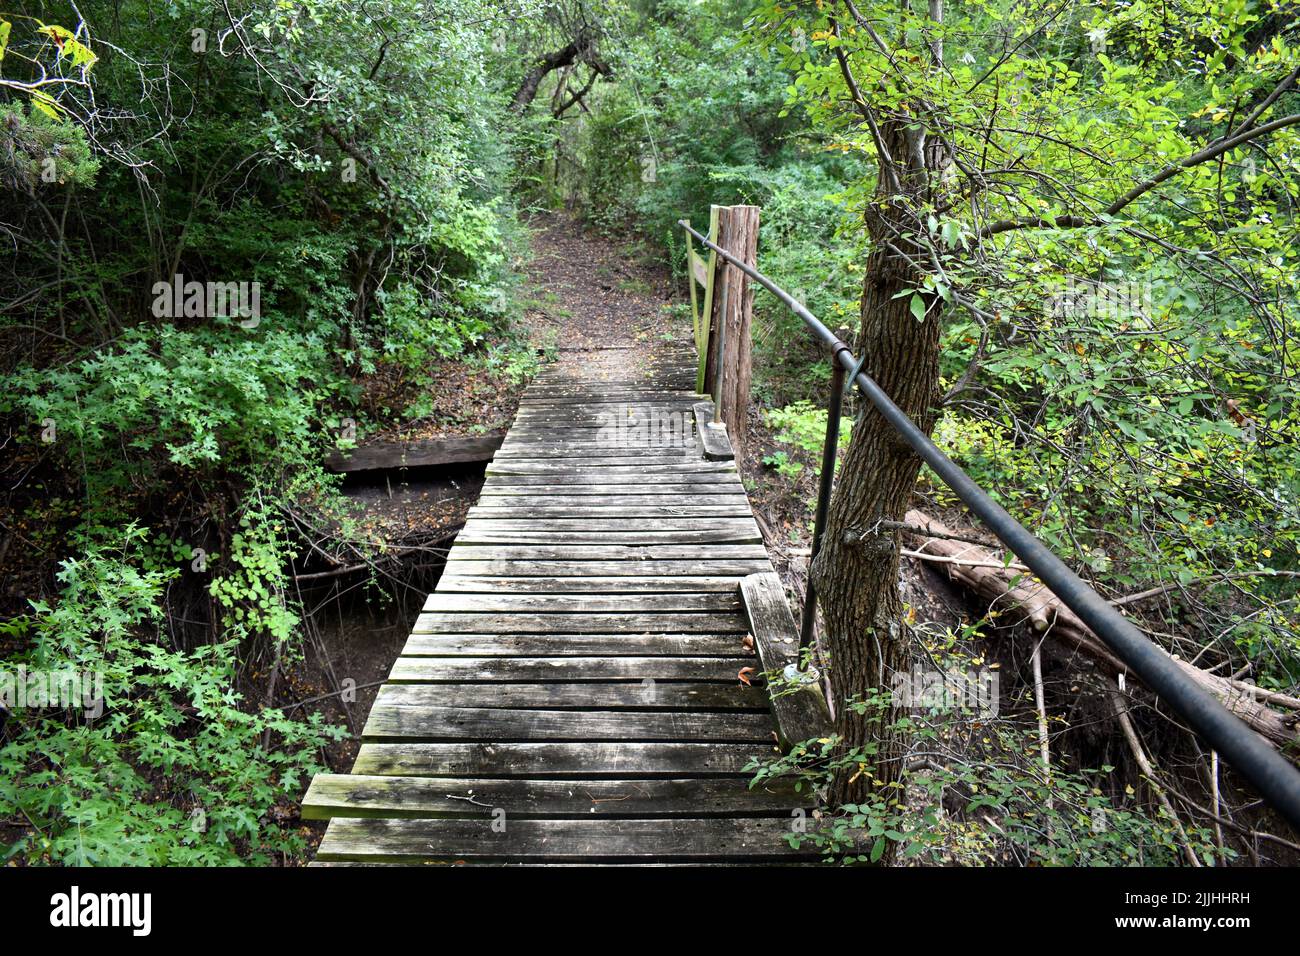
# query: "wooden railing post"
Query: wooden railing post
{"points": [[732, 307]]}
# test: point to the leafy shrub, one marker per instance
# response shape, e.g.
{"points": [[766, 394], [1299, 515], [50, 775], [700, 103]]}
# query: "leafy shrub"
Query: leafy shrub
{"points": [[174, 772], [1006, 813]]}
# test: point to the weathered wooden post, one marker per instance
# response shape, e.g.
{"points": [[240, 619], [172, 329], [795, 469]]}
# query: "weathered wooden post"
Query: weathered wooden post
{"points": [[729, 326]]}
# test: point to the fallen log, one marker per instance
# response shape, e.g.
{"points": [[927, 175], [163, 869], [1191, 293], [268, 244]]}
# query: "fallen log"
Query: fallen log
{"points": [[1013, 592]]}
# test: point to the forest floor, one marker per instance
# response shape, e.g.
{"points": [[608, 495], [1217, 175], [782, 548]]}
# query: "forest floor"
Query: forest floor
{"points": [[600, 304]]}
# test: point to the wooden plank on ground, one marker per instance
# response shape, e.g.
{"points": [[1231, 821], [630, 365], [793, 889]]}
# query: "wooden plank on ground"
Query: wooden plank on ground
{"points": [[713, 437], [376, 456], [467, 723], [595, 453], [479, 535], [728, 508], [605, 552], [650, 695], [596, 459], [604, 478], [595, 622], [574, 645], [556, 569], [630, 525], [593, 400], [571, 603], [632, 584], [607, 468], [612, 490]]}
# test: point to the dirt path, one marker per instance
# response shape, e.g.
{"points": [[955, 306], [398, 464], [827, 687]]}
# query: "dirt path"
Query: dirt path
{"points": [[599, 303]]}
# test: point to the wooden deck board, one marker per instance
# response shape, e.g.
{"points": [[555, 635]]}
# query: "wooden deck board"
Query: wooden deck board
{"points": [[415, 841], [349, 795], [575, 645], [578, 671]]}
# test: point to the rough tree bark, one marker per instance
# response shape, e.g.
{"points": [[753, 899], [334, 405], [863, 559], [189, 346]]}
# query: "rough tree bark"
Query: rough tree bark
{"points": [[856, 572]]}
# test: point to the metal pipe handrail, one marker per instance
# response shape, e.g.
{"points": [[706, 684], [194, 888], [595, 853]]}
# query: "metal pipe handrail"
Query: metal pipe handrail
{"points": [[1276, 779]]}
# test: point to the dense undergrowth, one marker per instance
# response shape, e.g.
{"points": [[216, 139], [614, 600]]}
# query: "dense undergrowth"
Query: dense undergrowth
{"points": [[162, 464]]}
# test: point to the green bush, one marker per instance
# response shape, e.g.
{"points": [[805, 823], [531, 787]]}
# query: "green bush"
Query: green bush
{"points": [[174, 770]]}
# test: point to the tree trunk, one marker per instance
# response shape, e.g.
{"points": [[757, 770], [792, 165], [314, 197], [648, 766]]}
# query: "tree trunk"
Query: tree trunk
{"points": [[857, 569], [856, 572]]}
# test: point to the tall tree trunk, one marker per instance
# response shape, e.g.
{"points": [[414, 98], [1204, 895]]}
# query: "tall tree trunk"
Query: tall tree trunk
{"points": [[856, 572]]}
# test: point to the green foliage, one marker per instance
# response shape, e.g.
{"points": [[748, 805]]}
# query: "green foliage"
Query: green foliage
{"points": [[195, 399], [174, 771], [801, 425], [804, 426], [370, 205], [1002, 813], [1133, 390], [41, 150]]}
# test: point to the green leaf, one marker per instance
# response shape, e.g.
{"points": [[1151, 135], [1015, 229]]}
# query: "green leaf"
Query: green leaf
{"points": [[918, 307]]}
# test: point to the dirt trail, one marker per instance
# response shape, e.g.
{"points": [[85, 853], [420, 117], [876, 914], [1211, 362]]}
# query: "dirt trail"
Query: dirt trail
{"points": [[600, 304]]}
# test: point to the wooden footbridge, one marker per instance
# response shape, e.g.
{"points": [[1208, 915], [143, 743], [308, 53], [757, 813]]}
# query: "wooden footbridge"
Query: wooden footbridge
{"points": [[586, 683]]}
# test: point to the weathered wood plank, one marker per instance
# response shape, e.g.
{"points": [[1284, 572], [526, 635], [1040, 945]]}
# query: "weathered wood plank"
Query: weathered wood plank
{"points": [[596, 622], [607, 479], [587, 839], [715, 444], [592, 400], [596, 452], [604, 552], [662, 387], [575, 645], [456, 670], [571, 603], [571, 760], [699, 272], [626, 458], [649, 695], [554, 569], [352, 795], [699, 467], [612, 490], [543, 536], [466, 723], [633, 509], [729, 500], [442, 451], [629, 525], [602, 416], [469, 583], [801, 714]]}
